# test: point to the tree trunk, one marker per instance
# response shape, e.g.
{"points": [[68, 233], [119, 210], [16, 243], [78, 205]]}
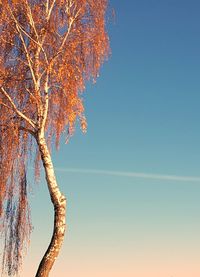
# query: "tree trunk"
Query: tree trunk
{"points": [[59, 203]]}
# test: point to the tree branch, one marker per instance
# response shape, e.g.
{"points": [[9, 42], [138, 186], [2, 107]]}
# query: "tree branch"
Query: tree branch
{"points": [[50, 9], [6, 106], [28, 120], [72, 18], [31, 94], [21, 128], [32, 23], [47, 6], [28, 130], [59, 50], [25, 47], [46, 104]]}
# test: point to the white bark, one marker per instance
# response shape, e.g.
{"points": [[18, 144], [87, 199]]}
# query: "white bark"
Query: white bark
{"points": [[59, 202]]}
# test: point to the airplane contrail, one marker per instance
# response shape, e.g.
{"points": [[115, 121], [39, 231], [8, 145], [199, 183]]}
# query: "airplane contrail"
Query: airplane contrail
{"points": [[131, 174]]}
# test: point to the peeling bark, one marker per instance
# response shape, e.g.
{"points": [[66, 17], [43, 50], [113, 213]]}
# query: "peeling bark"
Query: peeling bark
{"points": [[59, 203]]}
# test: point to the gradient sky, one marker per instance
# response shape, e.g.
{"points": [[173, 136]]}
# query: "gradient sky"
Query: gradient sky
{"points": [[143, 117]]}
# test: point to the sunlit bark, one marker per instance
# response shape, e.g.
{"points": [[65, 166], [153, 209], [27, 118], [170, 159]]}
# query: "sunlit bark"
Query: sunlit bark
{"points": [[59, 203]]}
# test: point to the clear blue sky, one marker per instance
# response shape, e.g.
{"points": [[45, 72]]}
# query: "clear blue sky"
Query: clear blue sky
{"points": [[143, 113], [143, 116]]}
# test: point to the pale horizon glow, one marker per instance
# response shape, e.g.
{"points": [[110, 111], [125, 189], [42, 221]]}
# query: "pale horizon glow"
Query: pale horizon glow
{"points": [[131, 174]]}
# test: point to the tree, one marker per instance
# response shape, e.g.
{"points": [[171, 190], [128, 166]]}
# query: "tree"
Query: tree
{"points": [[49, 50]]}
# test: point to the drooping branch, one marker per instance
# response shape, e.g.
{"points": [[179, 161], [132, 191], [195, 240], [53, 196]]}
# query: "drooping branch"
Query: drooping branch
{"points": [[17, 224]]}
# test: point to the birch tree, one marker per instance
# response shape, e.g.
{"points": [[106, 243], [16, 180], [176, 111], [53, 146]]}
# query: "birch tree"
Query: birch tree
{"points": [[49, 50]]}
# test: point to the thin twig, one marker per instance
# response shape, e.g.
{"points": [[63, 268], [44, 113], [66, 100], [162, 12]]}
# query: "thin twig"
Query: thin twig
{"points": [[3, 104]]}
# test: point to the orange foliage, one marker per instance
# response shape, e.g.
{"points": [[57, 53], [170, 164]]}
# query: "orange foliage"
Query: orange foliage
{"points": [[49, 50]]}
